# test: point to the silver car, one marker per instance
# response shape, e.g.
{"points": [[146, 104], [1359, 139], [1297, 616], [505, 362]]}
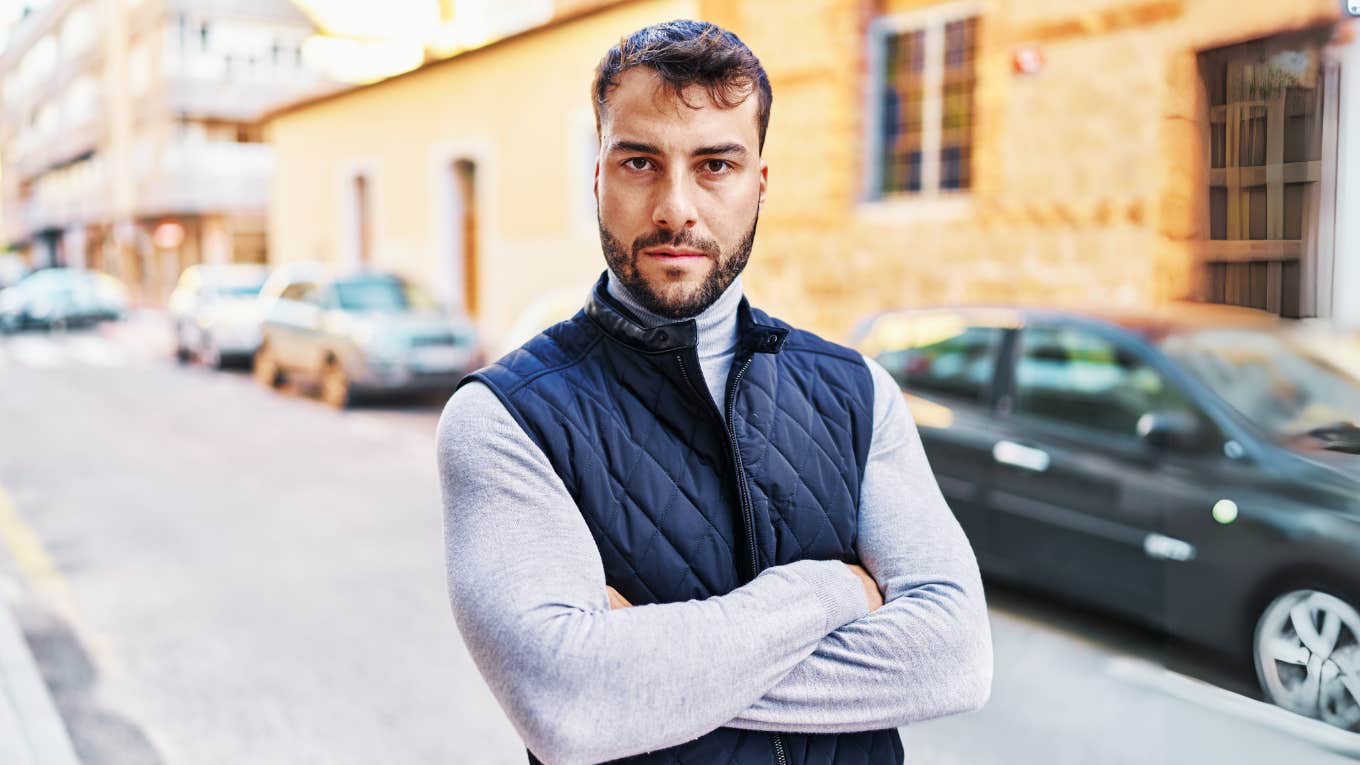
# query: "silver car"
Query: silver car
{"points": [[216, 314], [365, 333]]}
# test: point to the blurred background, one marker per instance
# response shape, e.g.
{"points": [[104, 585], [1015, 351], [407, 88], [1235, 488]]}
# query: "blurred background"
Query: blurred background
{"points": [[1109, 248]]}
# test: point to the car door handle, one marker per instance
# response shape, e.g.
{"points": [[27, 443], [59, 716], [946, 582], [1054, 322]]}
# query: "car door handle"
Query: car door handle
{"points": [[1023, 457]]}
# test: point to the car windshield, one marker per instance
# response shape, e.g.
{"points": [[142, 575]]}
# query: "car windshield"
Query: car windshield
{"points": [[379, 295], [57, 280], [1276, 384], [243, 290]]}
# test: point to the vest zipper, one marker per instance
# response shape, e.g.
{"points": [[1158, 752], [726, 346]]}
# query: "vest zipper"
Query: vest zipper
{"points": [[743, 491], [733, 451]]}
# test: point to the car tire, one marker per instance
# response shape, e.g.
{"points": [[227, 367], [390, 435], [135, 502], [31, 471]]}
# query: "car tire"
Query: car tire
{"points": [[1306, 649], [266, 368], [182, 352], [336, 390]]}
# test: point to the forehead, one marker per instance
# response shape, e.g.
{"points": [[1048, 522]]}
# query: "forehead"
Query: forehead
{"points": [[642, 106]]}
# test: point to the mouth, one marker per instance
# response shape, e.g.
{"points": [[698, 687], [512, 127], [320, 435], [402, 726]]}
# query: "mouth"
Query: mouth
{"points": [[674, 254]]}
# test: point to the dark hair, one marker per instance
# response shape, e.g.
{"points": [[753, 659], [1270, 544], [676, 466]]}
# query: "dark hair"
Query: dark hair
{"points": [[688, 53]]}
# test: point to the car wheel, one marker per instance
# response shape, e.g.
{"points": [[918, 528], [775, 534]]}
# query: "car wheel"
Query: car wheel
{"points": [[209, 354], [1307, 654], [267, 369], [335, 387], [182, 353]]}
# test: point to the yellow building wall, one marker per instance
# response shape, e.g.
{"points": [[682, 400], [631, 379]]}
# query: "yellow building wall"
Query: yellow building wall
{"points": [[1089, 178], [1089, 182], [519, 108]]}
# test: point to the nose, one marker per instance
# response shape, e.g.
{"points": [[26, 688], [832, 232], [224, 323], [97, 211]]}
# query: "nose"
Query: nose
{"points": [[674, 209]]}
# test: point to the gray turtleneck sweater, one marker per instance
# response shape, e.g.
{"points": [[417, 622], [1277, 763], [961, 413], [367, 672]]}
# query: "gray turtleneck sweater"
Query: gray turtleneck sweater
{"points": [[794, 650]]}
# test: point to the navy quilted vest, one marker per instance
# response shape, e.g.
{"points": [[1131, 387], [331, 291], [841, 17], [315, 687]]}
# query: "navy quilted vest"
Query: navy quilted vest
{"points": [[682, 507]]}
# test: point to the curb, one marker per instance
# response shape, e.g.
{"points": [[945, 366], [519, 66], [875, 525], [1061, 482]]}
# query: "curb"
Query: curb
{"points": [[31, 730]]}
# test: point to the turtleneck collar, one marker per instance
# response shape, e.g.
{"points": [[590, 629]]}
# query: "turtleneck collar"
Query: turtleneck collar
{"points": [[718, 327]]}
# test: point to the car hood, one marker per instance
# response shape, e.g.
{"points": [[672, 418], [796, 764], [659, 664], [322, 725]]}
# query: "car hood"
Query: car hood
{"points": [[232, 311]]}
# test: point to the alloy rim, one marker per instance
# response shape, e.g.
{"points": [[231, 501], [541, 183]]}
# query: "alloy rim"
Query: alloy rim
{"points": [[265, 370], [334, 386], [1308, 656]]}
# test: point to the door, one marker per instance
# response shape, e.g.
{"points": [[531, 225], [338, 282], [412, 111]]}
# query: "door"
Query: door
{"points": [[1072, 480], [946, 367], [292, 322]]}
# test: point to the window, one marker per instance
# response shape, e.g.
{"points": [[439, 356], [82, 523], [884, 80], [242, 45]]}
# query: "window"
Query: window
{"points": [[940, 355], [298, 291], [923, 70], [1265, 150], [363, 223], [1079, 378]]}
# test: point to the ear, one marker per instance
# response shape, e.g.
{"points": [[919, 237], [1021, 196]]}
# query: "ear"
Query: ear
{"points": [[595, 184], [764, 182]]}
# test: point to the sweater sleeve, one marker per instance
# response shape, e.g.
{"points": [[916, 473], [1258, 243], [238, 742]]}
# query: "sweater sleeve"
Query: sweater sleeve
{"points": [[927, 651], [581, 682]]}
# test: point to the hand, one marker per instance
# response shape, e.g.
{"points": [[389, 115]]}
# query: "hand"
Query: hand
{"points": [[870, 586], [615, 599]]}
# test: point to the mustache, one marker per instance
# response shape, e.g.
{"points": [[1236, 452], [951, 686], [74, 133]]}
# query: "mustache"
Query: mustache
{"points": [[681, 238]]}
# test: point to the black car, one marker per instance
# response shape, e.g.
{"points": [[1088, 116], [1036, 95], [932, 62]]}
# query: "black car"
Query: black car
{"points": [[1188, 467]]}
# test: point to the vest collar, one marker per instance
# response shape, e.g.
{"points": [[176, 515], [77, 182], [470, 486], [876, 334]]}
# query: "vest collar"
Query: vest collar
{"points": [[624, 326]]}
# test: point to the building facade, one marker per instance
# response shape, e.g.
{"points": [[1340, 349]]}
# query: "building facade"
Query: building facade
{"points": [[1058, 151], [130, 140], [920, 152], [471, 175]]}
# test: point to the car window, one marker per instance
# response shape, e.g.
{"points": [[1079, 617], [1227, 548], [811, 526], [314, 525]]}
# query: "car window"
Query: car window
{"points": [[299, 291], [1078, 377], [945, 358], [379, 295]]}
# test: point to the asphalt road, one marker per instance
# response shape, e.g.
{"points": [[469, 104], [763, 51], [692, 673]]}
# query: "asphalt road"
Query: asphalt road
{"points": [[210, 572]]}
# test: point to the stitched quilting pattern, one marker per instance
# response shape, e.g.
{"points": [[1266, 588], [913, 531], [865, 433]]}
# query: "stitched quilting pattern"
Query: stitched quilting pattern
{"points": [[647, 462]]}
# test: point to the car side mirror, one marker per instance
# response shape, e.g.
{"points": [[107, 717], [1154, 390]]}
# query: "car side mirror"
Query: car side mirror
{"points": [[1169, 429]]}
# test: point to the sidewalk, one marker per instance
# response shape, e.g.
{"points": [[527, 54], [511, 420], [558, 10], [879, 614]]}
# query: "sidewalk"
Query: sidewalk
{"points": [[31, 731]]}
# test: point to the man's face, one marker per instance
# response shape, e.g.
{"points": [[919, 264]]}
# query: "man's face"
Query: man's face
{"points": [[679, 190]]}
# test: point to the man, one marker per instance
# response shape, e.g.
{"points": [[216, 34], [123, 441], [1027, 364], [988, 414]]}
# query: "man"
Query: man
{"points": [[668, 519]]}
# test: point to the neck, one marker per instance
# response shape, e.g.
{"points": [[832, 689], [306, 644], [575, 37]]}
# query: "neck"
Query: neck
{"points": [[717, 324]]}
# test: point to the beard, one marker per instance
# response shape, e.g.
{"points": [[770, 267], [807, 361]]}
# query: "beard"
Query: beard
{"points": [[727, 266]]}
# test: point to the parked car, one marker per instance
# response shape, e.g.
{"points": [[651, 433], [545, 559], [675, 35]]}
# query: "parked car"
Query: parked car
{"points": [[357, 334], [12, 269], [1190, 467], [65, 297], [215, 312]]}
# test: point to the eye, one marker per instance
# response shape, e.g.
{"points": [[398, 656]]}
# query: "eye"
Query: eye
{"points": [[717, 166], [637, 163]]}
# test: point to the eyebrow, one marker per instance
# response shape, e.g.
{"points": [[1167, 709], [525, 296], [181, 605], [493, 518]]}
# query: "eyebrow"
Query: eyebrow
{"points": [[703, 151]]}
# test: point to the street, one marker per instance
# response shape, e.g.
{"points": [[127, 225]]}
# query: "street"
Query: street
{"points": [[211, 572]]}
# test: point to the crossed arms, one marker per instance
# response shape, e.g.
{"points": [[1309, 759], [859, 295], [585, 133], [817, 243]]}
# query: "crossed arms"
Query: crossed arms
{"points": [[795, 650]]}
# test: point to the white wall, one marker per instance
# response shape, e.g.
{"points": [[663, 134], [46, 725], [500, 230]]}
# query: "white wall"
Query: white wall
{"points": [[1346, 273]]}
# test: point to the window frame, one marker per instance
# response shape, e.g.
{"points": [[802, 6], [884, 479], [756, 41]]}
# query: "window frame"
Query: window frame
{"points": [[931, 21], [869, 343], [1213, 433]]}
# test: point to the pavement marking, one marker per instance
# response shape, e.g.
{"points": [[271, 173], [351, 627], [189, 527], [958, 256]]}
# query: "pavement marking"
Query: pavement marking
{"points": [[25, 547], [96, 351], [1159, 678], [37, 568], [36, 352]]}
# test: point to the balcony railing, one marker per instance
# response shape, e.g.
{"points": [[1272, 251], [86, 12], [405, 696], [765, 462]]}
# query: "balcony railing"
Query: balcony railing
{"points": [[196, 177]]}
